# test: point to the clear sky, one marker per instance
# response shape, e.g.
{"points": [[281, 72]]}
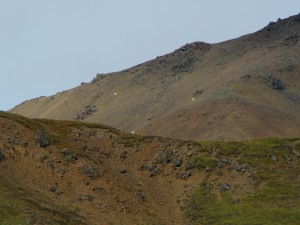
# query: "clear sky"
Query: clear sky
{"points": [[51, 46]]}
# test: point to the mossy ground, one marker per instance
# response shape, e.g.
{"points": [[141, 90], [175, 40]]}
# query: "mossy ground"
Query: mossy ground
{"points": [[19, 206], [275, 201], [10, 207]]}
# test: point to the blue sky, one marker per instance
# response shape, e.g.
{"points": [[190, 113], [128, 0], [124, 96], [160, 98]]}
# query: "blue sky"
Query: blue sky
{"points": [[51, 46]]}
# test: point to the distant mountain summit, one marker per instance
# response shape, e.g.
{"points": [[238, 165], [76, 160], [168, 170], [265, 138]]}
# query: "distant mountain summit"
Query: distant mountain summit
{"points": [[243, 88]]}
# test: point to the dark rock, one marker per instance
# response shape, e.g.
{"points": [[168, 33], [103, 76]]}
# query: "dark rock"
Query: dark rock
{"points": [[246, 77], [52, 188], [183, 176], [88, 197], [123, 154], [164, 157], [152, 167], [239, 168], [99, 189], [69, 155], [273, 157], [143, 167], [88, 110], [225, 160], [129, 145], [154, 173], [42, 139], [24, 144], [60, 170], [89, 171], [229, 168], [220, 165], [184, 66], [12, 140], [190, 165], [225, 187], [197, 93], [140, 196], [178, 162], [43, 158], [236, 201], [65, 152], [200, 46], [290, 40], [123, 170], [275, 83], [74, 157], [2, 156], [288, 68]]}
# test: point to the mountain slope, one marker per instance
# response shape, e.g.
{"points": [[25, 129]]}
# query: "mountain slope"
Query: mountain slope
{"points": [[62, 172], [243, 88]]}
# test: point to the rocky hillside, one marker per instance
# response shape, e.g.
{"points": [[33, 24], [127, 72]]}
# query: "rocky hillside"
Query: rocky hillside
{"points": [[243, 88], [62, 172]]}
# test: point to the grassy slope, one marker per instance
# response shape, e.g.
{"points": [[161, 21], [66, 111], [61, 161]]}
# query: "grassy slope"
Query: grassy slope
{"points": [[275, 176], [271, 166], [21, 206]]}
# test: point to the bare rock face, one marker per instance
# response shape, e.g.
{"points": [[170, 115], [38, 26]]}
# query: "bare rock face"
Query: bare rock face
{"points": [[290, 40], [88, 110]]}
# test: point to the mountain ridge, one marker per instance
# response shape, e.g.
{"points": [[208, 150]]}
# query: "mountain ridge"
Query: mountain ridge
{"points": [[187, 93]]}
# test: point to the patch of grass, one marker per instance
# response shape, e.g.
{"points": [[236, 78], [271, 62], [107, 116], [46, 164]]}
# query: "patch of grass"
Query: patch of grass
{"points": [[21, 207], [297, 145], [205, 208], [31, 124], [275, 202], [202, 162]]}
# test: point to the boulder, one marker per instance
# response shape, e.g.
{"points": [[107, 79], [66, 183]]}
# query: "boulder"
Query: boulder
{"points": [[89, 171], [178, 162], [225, 187], [275, 83], [42, 139]]}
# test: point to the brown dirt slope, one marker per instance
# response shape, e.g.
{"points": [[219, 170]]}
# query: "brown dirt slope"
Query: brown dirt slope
{"points": [[63, 172], [243, 88]]}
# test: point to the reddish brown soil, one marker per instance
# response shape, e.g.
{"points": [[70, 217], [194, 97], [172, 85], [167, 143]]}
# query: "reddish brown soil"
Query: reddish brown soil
{"points": [[109, 196]]}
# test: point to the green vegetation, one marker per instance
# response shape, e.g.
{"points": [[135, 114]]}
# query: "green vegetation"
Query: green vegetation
{"points": [[10, 208], [203, 162], [32, 124], [276, 199], [19, 206]]}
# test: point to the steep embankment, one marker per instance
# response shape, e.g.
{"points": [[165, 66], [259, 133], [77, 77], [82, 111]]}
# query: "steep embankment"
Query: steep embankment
{"points": [[244, 88], [60, 172]]}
